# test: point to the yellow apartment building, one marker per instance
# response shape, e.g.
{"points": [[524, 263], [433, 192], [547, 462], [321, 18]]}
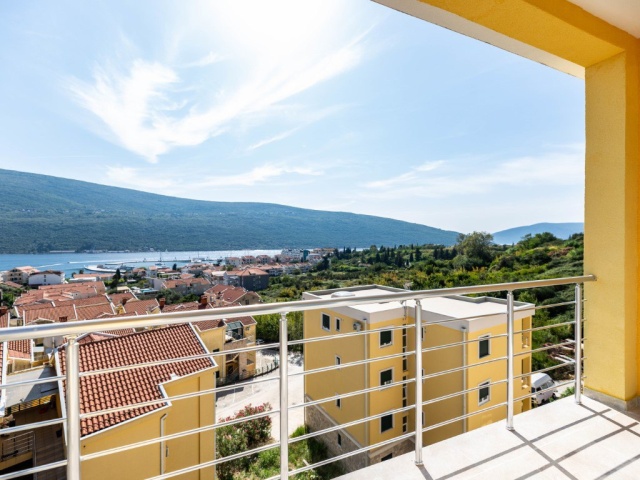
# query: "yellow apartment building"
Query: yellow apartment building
{"points": [[230, 334], [132, 386], [480, 322]]}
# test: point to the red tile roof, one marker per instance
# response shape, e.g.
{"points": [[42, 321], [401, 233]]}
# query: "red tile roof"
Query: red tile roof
{"points": [[117, 389], [90, 312], [50, 313], [209, 325], [140, 307], [19, 349], [186, 307]]}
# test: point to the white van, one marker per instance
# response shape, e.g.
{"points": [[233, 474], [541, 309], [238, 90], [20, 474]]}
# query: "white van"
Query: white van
{"points": [[540, 382]]}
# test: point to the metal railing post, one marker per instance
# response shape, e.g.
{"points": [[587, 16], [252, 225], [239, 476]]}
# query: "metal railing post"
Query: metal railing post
{"points": [[578, 339], [284, 398], [73, 410], [510, 394], [418, 347]]}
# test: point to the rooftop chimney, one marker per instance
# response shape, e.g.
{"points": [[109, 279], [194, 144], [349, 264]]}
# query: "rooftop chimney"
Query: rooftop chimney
{"points": [[162, 301], [3, 310], [124, 301], [203, 299], [62, 319]]}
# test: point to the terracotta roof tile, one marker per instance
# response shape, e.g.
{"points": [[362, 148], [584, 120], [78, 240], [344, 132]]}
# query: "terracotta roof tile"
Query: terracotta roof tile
{"points": [[186, 307], [133, 386], [116, 298], [140, 307], [90, 312], [19, 349]]}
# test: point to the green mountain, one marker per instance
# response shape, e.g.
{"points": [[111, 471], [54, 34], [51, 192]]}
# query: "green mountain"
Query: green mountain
{"points": [[560, 230], [40, 213]]}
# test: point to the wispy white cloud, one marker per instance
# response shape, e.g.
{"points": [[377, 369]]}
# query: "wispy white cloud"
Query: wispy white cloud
{"points": [[275, 138], [150, 108], [129, 176], [472, 176], [209, 59], [258, 175]]}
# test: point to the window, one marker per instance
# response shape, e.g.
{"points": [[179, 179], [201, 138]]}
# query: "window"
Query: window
{"points": [[405, 364], [338, 360], [339, 402], [215, 350], [387, 457], [386, 338], [338, 321], [404, 387], [386, 423], [404, 339], [483, 347], [386, 377], [405, 424], [339, 440], [483, 392], [326, 322]]}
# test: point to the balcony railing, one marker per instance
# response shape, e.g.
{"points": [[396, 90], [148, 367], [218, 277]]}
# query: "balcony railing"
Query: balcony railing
{"points": [[72, 414]]}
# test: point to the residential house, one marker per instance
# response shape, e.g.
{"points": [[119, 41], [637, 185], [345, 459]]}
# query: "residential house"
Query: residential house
{"points": [[254, 279], [248, 260], [230, 334], [263, 259], [235, 261], [479, 321], [183, 286], [129, 387], [46, 277], [227, 295], [20, 275]]}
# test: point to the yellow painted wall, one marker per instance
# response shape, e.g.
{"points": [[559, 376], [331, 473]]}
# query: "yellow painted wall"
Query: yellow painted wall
{"points": [[145, 461], [496, 371], [214, 339], [608, 58], [389, 398], [327, 384]]}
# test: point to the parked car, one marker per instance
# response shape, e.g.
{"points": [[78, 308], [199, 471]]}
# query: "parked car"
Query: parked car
{"points": [[539, 383], [259, 341]]}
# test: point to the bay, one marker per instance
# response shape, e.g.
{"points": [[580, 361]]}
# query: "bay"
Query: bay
{"points": [[73, 262]]}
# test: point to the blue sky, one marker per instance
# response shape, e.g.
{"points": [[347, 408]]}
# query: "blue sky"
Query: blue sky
{"points": [[330, 105]]}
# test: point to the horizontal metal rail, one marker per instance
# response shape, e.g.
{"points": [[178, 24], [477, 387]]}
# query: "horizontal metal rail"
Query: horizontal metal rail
{"points": [[548, 369], [542, 349], [34, 470], [339, 336], [554, 305], [349, 454], [31, 426], [37, 381], [462, 417], [342, 426], [546, 327], [354, 393], [175, 318], [352, 364], [460, 369], [463, 392], [555, 386], [467, 342]]}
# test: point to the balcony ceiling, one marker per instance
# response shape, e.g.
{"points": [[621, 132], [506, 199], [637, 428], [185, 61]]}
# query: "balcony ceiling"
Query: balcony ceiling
{"points": [[624, 14]]}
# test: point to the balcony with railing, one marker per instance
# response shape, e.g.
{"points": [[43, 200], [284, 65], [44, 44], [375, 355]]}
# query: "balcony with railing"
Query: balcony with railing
{"points": [[505, 434]]}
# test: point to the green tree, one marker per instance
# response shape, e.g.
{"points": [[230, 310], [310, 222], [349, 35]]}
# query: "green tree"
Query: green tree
{"points": [[477, 246], [116, 279]]}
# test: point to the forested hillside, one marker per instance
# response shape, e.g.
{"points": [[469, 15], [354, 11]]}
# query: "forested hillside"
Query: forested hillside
{"points": [[46, 213]]}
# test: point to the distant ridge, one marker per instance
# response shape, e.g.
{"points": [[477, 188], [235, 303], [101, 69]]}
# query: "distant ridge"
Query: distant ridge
{"points": [[40, 213], [560, 230]]}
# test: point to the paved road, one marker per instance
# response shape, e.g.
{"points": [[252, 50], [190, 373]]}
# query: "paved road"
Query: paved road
{"points": [[250, 392]]}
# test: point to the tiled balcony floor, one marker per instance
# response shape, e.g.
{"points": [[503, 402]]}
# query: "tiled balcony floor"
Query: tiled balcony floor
{"points": [[561, 440]]}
